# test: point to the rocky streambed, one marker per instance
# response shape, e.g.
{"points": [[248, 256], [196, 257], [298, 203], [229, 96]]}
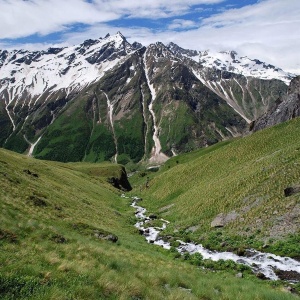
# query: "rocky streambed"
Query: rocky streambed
{"points": [[265, 265]]}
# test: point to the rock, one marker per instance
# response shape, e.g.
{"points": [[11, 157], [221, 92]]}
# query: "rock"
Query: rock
{"points": [[153, 216], [111, 237], [240, 252], [219, 221], [289, 191], [105, 236], [28, 172], [261, 275], [193, 228], [288, 275], [121, 181], [239, 275], [37, 201], [223, 244], [222, 219], [290, 289], [285, 108], [59, 239]]}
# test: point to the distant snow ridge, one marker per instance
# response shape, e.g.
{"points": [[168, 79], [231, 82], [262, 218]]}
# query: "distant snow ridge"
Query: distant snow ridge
{"points": [[70, 68], [230, 61]]}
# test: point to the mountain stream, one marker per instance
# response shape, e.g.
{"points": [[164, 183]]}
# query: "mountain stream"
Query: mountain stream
{"points": [[267, 264]]}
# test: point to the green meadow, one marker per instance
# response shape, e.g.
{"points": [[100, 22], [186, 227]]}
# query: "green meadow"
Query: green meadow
{"points": [[66, 233], [245, 177]]}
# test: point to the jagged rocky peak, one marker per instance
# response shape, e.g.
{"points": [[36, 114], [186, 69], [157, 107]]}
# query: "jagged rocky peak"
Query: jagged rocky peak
{"points": [[159, 50], [111, 84], [70, 68], [178, 51], [136, 45]]}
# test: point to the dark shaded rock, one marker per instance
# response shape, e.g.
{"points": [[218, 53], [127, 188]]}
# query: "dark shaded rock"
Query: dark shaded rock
{"points": [[240, 252], [27, 172], [30, 173], [290, 289], [53, 50], [288, 275], [289, 191], [287, 107], [153, 216], [261, 276], [111, 237], [223, 244], [104, 235], [59, 239], [37, 201], [8, 236], [120, 182], [136, 45]]}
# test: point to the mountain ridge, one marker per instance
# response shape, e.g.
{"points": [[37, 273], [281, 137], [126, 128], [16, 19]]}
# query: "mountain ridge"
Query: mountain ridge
{"points": [[178, 103]]}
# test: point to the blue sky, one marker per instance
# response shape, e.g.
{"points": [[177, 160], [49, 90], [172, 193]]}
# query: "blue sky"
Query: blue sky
{"points": [[264, 29]]}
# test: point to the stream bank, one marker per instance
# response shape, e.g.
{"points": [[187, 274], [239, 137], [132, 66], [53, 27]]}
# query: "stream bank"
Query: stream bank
{"points": [[264, 265]]}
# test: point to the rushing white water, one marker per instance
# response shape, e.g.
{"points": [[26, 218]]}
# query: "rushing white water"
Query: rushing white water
{"points": [[110, 106], [259, 262], [157, 155]]}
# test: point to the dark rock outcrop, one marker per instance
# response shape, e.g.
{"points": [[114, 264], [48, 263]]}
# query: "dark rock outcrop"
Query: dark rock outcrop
{"points": [[289, 191], [121, 182], [285, 108]]}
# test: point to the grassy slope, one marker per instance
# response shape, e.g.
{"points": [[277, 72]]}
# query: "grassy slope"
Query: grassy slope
{"points": [[247, 176], [38, 213]]}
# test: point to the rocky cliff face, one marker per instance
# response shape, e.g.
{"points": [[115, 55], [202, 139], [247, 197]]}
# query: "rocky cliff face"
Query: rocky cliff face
{"points": [[285, 108], [107, 99]]}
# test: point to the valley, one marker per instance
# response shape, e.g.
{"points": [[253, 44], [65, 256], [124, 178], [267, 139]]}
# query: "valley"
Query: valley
{"points": [[106, 143], [68, 233]]}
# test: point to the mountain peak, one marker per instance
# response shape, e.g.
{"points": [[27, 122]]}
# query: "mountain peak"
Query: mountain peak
{"points": [[120, 34]]}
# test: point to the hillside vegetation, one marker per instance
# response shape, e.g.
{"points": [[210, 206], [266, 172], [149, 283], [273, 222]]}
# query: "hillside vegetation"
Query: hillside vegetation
{"points": [[244, 181], [66, 233]]}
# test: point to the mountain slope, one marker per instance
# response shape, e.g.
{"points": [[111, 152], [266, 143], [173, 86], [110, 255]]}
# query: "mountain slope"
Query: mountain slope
{"points": [[241, 183], [285, 108], [59, 224], [106, 99]]}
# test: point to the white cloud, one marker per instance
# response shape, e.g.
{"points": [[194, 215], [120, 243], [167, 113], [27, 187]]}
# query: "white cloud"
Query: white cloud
{"points": [[153, 9], [267, 30], [20, 18], [23, 18], [182, 24]]}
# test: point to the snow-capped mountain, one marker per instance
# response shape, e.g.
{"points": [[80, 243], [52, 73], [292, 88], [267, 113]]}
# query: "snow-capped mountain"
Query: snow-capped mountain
{"points": [[230, 61], [69, 68], [109, 99]]}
